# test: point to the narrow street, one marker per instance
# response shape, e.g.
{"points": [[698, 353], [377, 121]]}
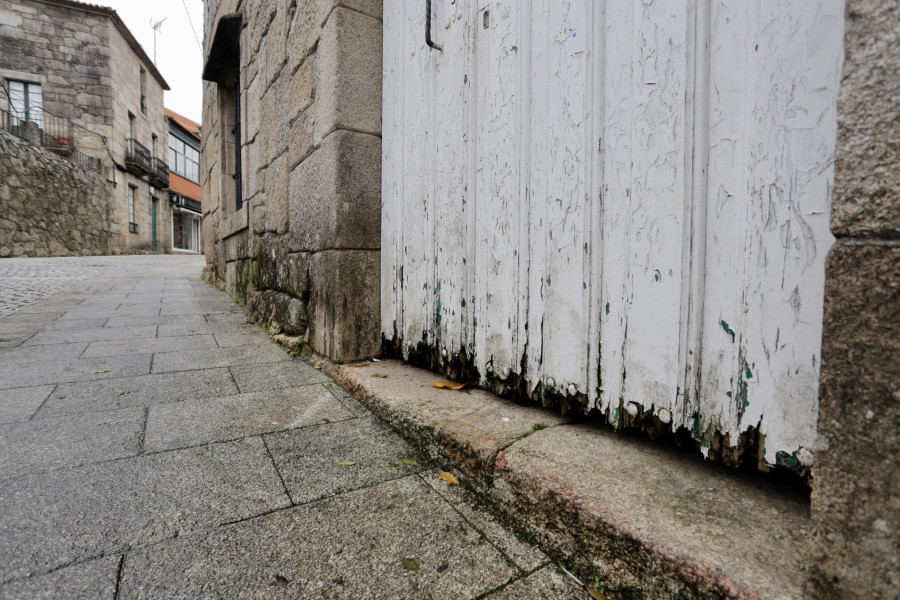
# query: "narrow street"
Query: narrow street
{"points": [[154, 444]]}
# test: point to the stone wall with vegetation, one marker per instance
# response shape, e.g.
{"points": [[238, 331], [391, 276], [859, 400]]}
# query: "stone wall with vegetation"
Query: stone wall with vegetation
{"points": [[303, 252], [49, 206]]}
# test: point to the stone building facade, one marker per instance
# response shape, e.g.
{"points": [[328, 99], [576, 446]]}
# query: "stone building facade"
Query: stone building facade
{"points": [[291, 162], [84, 65]]}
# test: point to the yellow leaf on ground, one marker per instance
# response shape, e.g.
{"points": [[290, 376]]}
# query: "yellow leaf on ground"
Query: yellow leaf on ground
{"points": [[597, 594], [411, 564], [379, 375], [345, 463], [96, 372], [406, 461], [449, 478], [448, 385]]}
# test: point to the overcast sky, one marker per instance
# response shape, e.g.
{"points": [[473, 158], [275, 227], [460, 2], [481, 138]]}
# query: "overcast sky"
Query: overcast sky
{"points": [[178, 54]]}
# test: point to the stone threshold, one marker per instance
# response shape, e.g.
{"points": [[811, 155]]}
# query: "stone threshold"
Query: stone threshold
{"points": [[646, 520]]}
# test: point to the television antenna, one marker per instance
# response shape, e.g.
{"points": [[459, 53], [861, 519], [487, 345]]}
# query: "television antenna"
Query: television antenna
{"points": [[157, 28]]}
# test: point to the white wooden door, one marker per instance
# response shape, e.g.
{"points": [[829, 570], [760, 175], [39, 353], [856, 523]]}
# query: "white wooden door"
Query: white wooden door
{"points": [[624, 203]]}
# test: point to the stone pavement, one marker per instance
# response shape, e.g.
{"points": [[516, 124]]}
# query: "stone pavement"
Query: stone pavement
{"points": [[155, 445]]}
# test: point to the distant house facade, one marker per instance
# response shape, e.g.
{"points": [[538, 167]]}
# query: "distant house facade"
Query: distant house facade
{"points": [[184, 182], [76, 64]]}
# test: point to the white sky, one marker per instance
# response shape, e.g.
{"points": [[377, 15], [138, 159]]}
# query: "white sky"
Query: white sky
{"points": [[178, 55]]}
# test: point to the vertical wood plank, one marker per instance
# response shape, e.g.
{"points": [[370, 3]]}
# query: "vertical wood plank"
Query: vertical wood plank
{"points": [[773, 123], [566, 197], [417, 128], [616, 142], [392, 161], [657, 208], [453, 30], [497, 188]]}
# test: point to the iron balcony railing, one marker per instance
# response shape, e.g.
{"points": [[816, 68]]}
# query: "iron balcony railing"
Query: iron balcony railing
{"points": [[48, 131], [160, 174], [137, 158]]}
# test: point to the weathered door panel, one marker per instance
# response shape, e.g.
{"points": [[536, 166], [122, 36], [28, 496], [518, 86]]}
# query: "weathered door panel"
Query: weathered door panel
{"points": [[620, 203]]}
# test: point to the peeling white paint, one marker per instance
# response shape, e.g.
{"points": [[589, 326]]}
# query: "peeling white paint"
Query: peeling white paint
{"points": [[626, 199]]}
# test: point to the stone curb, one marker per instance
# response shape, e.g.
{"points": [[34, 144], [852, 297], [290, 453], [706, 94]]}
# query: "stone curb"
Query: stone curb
{"points": [[646, 520]]}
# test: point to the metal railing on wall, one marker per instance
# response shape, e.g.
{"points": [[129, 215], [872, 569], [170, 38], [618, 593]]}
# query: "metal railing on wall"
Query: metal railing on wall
{"points": [[48, 131], [55, 133]]}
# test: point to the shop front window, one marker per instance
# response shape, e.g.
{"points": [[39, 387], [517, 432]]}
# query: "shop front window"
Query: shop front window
{"points": [[186, 232]]}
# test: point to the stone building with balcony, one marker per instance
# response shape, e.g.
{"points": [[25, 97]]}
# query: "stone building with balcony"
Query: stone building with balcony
{"points": [[63, 61]]}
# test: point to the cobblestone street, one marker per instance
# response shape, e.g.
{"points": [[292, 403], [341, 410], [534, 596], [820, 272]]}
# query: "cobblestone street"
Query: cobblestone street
{"points": [[153, 444], [27, 280]]}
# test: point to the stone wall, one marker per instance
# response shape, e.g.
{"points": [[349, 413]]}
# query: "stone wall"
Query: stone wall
{"points": [[856, 489], [49, 206], [303, 251]]}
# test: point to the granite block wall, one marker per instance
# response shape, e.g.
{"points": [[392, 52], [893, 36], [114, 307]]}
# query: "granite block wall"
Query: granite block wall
{"points": [[303, 250], [49, 206], [856, 478]]}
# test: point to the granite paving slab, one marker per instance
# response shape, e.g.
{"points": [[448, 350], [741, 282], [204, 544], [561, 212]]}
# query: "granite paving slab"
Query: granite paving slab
{"points": [[548, 583], [95, 334], [347, 547], [43, 353], [19, 404], [200, 421], [47, 444], [232, 340], [85, 369], [149, 345], [308, 458], [64, 323], [218, 357], [107, 508], [112, 394], [271, 376], [202, 327], [178, 322], [93, 579], [527, 557]]}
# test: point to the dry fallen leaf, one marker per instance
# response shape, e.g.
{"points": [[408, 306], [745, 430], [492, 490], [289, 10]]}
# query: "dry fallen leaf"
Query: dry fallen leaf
{"points": [[345, 463], [96, 372], [392, 465], [202, 450], [597, 594], [120, 392], [379, 375], [448, 385], [406, 461], [449, 478], [411, 564]]}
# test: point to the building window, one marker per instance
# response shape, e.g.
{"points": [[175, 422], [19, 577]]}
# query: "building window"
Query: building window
{"points": [[130, 134], [143, 91], [132, 226], [26, 103], [185, 231], [184, 159]]}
